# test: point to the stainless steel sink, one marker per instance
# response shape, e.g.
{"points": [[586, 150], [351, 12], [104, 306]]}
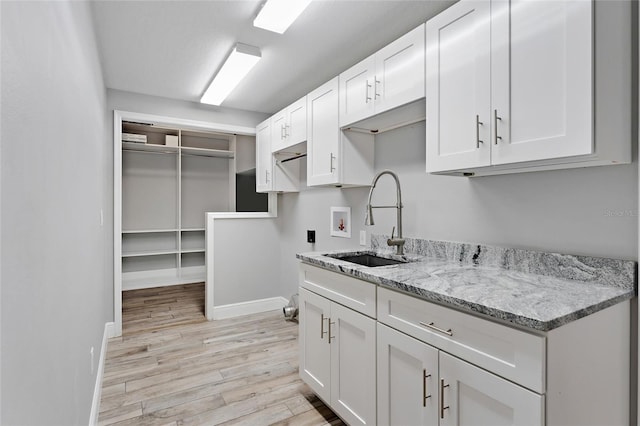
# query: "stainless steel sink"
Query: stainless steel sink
{"points": [[367, 259]]}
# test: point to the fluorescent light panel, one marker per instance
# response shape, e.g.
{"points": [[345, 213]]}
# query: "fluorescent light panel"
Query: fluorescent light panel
{"points": [[278, 15], [238, 64]]}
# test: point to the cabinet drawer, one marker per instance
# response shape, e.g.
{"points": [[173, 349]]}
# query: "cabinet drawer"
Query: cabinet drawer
{"points": [[513, 354], [351, 292]]}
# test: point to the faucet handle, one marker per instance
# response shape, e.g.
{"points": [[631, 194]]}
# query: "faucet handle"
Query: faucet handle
{"points": [[393, 231]]}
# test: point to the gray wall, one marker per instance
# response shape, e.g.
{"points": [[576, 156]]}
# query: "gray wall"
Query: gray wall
{"points": [[55, 298], [310, 210], [590, 211], [246, 260]]}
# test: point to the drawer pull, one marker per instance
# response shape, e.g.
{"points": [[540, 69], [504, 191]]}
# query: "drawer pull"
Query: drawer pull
{"points": [[424, 387], [442, 407], [433, 327]]}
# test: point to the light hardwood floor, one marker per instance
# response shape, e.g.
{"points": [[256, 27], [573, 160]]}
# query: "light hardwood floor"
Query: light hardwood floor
{"points": [[172, 367]]}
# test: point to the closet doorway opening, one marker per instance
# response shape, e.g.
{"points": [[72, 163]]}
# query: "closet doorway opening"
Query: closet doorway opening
{"points": [[168, 173]]}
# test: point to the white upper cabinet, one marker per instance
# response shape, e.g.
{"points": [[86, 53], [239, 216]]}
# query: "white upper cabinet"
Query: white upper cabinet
{"points": [[334, 157], [458, 90], [289, 126], [541, 80], [272, 175], [392, 77], [264, 159], [510, 85]]}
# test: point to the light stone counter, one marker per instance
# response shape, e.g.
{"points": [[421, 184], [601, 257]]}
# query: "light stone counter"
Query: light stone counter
{"points": [[536, 290]]}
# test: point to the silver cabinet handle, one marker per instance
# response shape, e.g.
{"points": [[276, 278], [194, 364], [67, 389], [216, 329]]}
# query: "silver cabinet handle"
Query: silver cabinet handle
{"points": [[478, 124], [431, 325], [286, 131], [442, 407], [424, 387], [331, 167], [266, 176], [322, 332], [330, 336], [367, 98], [281, 131], [375, 91], [495, 126]]}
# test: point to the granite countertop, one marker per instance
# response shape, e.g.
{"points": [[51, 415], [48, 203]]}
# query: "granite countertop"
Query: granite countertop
{"points": [[536, 290]]}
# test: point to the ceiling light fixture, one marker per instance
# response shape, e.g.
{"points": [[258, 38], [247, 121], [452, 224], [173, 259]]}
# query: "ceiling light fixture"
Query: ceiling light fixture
{"points": [[237, 65], [278, 15]]}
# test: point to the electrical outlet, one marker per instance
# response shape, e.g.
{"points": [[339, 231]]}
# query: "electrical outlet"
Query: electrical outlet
{"points": [[311, 236], [92, 361], [363, 238]]}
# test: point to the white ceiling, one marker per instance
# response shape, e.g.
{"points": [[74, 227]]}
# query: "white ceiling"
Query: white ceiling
{"points": [[173, 48]]}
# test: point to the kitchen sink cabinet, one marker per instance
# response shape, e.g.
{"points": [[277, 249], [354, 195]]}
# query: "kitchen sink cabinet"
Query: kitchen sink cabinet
{"points": [[335, 157], [390, 78], [491, 373], [337, 357], [271, 175], [511, 86], [421, 385], [381, 356]]}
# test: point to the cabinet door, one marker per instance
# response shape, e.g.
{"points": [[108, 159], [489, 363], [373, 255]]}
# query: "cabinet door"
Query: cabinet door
{"points": [[472, 396], [357, 92], [353, 366], [296, 125], [264, 158], [400, 71], [458, 87], [407, 380], [278, 131], [542, 79], [323, 143], [314, 346]]}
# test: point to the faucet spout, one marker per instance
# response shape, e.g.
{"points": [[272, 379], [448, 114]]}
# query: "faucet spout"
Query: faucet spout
{"points": [[399, 241]]}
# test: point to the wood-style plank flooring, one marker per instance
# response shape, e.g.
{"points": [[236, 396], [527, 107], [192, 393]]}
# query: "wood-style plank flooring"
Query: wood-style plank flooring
{"points": [[172, 367]]}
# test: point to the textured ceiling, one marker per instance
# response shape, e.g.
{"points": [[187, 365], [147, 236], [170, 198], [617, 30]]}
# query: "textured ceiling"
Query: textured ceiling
{"points": [[173, 48]]}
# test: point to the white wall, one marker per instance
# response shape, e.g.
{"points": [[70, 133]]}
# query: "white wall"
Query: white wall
{"points": [[55, 299]]}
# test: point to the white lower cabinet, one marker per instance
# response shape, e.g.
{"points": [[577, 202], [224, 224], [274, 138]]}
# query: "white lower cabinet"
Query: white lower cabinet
{"points": [[472, 396], [378, 356], [337, 357], [407, 380], [422, 386]]}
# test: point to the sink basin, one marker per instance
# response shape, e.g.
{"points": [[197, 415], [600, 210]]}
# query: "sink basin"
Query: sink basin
{"points": [[368, 260]]}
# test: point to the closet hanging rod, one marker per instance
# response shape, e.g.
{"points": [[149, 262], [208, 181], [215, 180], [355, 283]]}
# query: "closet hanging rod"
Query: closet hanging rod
{"points": [[293, 158]]}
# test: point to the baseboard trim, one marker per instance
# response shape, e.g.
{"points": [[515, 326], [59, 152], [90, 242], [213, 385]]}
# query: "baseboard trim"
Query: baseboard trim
{"points": [[109, 331], [246, 308]]}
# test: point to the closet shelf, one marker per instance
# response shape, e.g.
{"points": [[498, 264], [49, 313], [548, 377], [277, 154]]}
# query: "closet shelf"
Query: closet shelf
{"points": [[148, 231], [149, 253]]}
